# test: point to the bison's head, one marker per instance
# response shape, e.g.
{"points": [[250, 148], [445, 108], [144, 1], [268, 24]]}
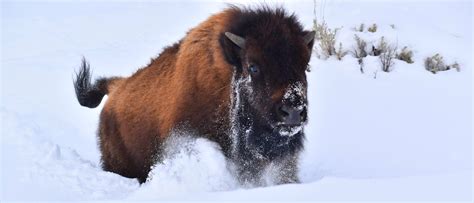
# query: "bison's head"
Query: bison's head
{"points": [[270, 53]]}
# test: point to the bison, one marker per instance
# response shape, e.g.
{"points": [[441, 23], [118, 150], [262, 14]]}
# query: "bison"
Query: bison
{"points": [[237, 79]]}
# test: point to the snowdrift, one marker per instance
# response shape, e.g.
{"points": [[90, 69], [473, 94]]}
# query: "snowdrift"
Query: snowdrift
{"points": [[403, 135]]}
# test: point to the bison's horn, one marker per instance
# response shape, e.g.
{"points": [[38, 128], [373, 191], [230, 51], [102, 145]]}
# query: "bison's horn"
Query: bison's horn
{"points": [[309, 37], [237, 40]]}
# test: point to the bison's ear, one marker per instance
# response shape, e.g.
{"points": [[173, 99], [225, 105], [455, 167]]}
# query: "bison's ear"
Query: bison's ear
{"points": [[232, 45], [308, 38]]}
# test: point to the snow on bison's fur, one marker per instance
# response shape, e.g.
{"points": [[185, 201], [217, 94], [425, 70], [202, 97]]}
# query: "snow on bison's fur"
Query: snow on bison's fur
{"points": [[238, 79]]}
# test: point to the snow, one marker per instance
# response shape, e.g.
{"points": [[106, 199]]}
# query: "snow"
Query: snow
{"points": [[194, 165], [406, 135]]}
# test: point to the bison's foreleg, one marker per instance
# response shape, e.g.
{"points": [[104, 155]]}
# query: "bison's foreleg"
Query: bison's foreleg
{"points": [[250, 173], [288, 172]]}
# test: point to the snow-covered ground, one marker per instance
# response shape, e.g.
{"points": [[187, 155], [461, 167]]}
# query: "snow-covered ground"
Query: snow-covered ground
{"points": [[406, 135]]}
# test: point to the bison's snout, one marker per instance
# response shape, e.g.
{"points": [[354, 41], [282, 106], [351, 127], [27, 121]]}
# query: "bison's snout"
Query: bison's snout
{"points": [[291, 116]]}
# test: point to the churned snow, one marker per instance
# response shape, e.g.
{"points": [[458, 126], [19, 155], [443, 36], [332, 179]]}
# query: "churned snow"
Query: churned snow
{"points": [[405, 135]]}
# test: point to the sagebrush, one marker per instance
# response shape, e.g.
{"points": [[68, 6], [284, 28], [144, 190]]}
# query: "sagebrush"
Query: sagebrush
{"points": [[380, 48], [372, 28], [436, 63], [340, 53], [360, 49], [405, 55], [386, 58], [327, 40]]}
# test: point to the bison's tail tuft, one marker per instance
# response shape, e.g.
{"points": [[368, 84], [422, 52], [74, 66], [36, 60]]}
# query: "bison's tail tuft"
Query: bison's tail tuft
{"points": [[90, 94]]}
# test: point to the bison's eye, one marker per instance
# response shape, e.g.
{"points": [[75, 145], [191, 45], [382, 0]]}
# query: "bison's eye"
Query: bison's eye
{"points": [[253, 69]]}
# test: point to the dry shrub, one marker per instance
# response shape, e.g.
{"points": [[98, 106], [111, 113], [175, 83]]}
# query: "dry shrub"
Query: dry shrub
{"points": [[456, 66], [360, 28], [340, 53], [386, 58], [405, 55], [372, 28], [380, 48], [436, 63], [327, 39], [359, 51]]}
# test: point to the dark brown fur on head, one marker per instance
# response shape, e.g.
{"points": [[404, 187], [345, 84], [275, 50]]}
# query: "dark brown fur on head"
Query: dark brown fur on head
{"points": [[274, 43]]}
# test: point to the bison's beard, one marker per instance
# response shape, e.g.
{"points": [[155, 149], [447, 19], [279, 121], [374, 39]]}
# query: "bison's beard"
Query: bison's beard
{"points": [[264, 138], [275, 143], [256, 131]]}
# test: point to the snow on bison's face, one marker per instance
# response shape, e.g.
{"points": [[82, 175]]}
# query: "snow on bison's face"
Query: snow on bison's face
{"points": [[270, 87]]}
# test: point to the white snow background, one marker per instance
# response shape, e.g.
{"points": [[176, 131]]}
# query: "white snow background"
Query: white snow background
{"points": [[406, 135]]}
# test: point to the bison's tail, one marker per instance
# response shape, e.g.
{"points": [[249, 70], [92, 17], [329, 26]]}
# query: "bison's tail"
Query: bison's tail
{"points": [[90, 94]]}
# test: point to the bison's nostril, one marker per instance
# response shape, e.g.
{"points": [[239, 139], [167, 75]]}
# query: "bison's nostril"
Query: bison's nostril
{"points": [[289, 115], [283, 113], [303, 111], [303, 114]]}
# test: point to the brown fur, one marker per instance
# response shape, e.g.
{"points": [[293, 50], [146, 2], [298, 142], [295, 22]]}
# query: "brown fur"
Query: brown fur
{"points": [[182, 84], [189, 84]]}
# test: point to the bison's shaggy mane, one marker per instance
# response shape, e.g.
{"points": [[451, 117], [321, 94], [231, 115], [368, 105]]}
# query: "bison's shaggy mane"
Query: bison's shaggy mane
{"points": [[271, 27]]}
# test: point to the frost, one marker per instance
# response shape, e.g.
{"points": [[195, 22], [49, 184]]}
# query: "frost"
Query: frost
{"points": [[290, 131], [294, 91]]}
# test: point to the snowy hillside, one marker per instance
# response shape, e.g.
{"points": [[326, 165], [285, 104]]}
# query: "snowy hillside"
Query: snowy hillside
{"points": [[403, 135]]}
